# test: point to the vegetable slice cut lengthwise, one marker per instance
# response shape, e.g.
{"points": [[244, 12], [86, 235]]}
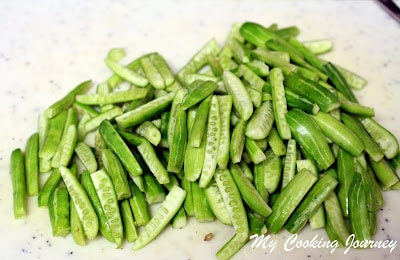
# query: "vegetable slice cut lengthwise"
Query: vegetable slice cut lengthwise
{"points": [[18, 182], [260, 134], [82, 203], [173, 201]]}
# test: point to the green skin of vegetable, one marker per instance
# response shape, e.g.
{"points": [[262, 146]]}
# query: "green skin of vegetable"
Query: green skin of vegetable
{"points": [[18, 183], [311, 203], [289, 199], [307, 133]]}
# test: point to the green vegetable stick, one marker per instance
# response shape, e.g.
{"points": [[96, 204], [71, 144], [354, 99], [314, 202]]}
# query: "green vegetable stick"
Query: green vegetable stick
{"points": [[18, 183]]}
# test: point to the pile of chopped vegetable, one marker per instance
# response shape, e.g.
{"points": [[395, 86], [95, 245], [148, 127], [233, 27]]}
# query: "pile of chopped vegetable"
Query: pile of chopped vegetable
{"points": [[260, 134]]}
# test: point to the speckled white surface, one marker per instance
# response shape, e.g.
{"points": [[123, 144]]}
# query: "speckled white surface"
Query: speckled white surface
{"points": [[47, 47]]}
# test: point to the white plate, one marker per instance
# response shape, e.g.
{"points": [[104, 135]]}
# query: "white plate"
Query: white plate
{"points": [[48, 47]]}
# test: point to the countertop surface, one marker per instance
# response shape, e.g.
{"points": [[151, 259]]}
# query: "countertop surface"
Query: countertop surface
{"points": [[48, 47]]}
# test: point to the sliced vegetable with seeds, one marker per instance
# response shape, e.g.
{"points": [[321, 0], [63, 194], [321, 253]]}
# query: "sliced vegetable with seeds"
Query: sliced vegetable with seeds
{"points": [[279, 103], [213, 135], [216, 203], [260, 123], [225, 108], [271, 171], [240, 96], [82, 203], [385, 139], [173, 201], [149, 131], [86, 156], [88, 186], [234, 204], [109, 202], [233, 201], [230, 248]]}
